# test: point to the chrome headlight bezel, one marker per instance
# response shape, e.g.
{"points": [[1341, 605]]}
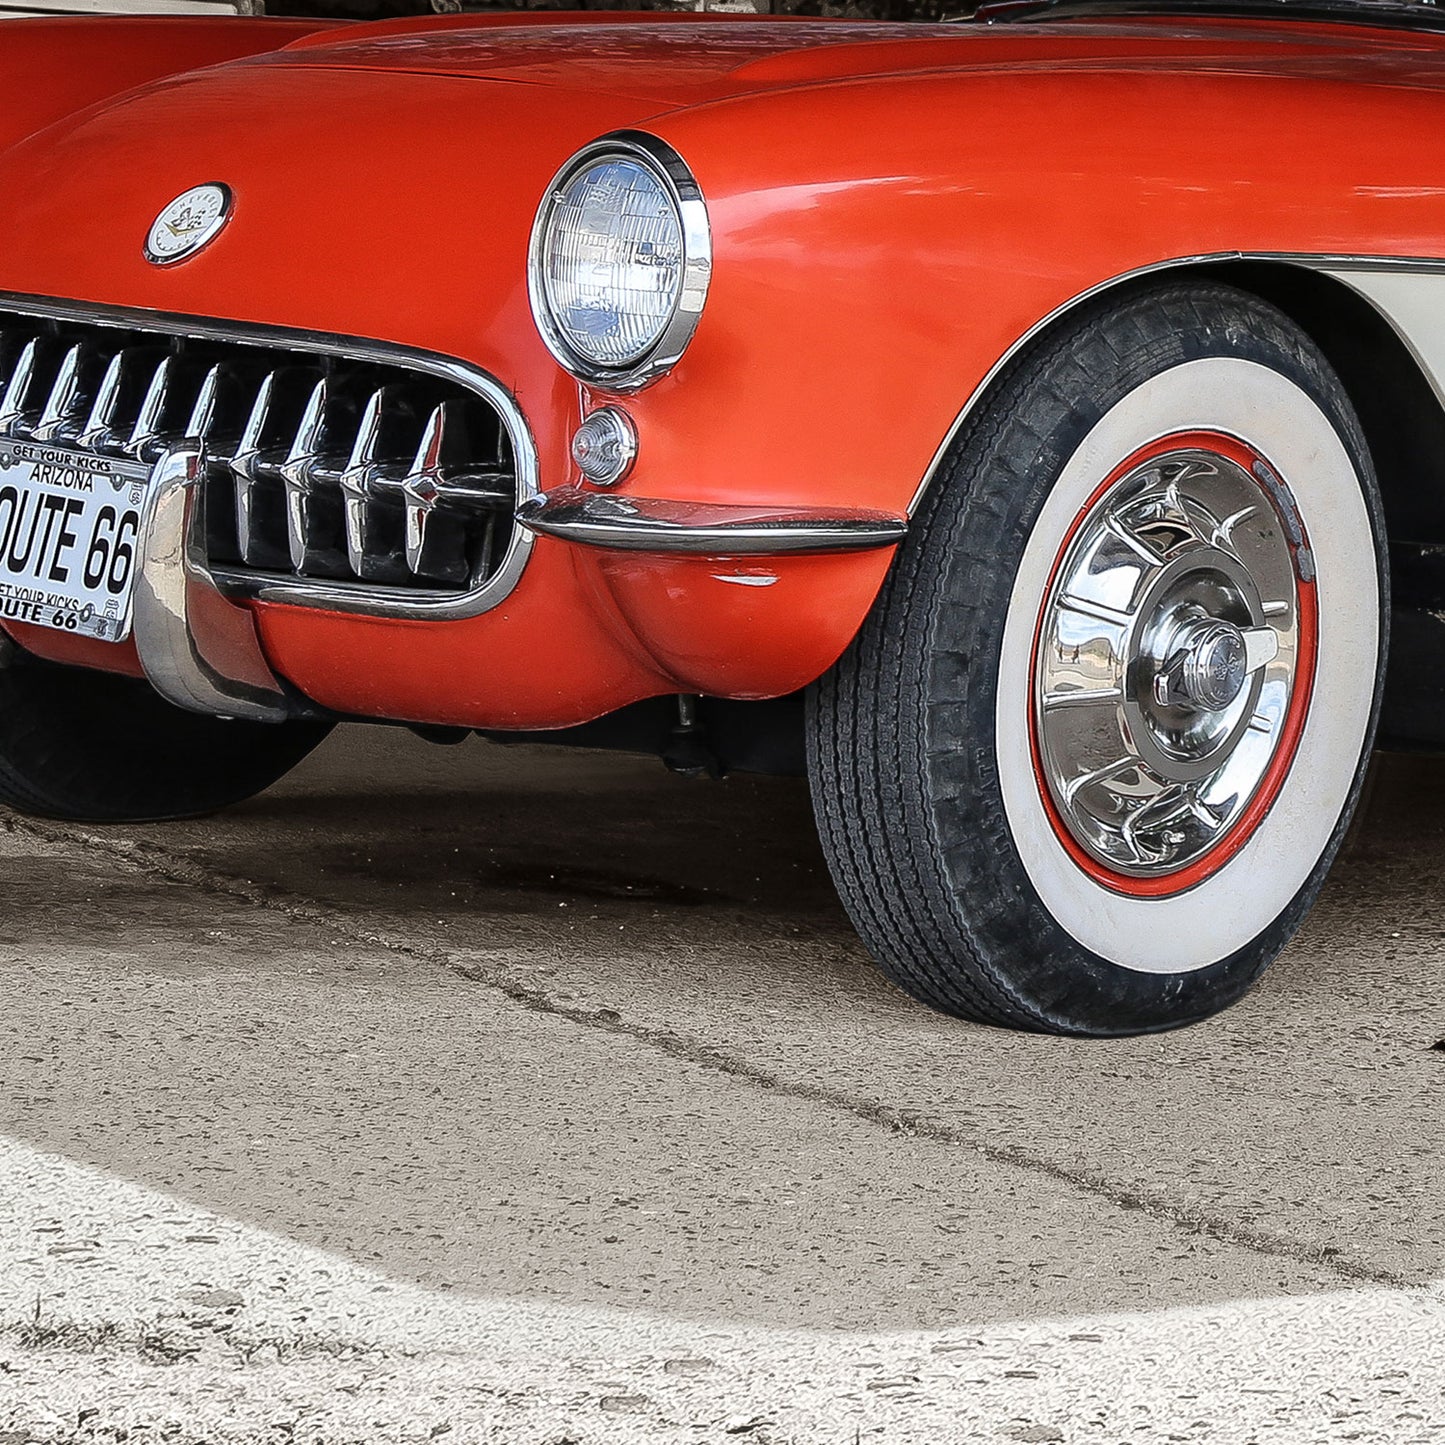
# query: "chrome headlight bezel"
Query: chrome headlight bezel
{"points": [[677, 181]]}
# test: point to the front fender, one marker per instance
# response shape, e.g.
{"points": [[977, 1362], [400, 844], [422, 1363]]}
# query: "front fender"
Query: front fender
{"points": [[879, 247]]}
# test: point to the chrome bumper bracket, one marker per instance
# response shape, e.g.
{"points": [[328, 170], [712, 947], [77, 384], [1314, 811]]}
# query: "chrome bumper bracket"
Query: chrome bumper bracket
{"points": [[198, 649]]}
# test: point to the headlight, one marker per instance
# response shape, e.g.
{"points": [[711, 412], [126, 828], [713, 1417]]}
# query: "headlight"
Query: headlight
{"points": [[620, 261]]}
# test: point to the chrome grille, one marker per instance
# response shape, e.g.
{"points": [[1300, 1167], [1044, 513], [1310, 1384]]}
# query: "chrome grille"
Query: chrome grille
{"points": [[341, 474]]}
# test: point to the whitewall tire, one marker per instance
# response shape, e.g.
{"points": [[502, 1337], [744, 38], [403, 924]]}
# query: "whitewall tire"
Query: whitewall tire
{"points": [[1087, 764]]}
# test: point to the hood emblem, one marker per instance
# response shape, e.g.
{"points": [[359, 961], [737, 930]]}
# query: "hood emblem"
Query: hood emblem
{"points": [[188, 223]]}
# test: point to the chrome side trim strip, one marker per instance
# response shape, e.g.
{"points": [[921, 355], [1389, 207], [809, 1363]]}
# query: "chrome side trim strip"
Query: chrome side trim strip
{"points": [[1330, 265], [368, 599], [643, 524], [198, 650]]}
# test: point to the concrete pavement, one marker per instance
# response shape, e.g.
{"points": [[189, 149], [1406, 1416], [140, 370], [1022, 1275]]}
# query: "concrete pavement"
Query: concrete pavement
{"points": [[504, 1094]]}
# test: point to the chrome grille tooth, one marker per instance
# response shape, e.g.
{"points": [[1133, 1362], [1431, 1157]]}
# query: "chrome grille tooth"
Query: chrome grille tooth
{"points": [[203, 417], [455, 452], [118, 398], [420, 490], [30, 385], [354, 479], [312, 426], [295, 472], [152, 408], [444, 491], [254, 430], [13, 341], [167, 406], [64, 396], [12, 406], [88, 364], [220, 485], [436, 539], [312, 472], [266, 440], [366, 447], [105, 406], [246, 466], [223, 405], [381, 456]]}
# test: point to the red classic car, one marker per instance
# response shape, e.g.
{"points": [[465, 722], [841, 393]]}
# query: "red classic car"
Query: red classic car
{"points": [[1014, 418]]}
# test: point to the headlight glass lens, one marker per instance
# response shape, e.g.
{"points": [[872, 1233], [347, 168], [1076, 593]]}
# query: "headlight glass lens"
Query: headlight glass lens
{"points": [[612, 260]]}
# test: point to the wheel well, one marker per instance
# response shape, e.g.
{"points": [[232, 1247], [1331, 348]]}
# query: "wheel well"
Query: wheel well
{"points": [[1402, 418], [1404, 426]]}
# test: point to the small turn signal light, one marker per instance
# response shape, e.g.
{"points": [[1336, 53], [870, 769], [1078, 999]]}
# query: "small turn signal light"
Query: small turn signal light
{"points": [[605, 446]]}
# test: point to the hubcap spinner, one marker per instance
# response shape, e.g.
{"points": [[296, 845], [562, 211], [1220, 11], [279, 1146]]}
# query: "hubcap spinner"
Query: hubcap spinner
{"points": [[1208, 669]]}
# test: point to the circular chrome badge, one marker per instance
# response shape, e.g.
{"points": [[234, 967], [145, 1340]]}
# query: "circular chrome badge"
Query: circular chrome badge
{"points": [[190, 222]]}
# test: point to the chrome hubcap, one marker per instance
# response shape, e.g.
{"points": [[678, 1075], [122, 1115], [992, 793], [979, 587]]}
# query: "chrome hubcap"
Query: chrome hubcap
{"points": [[1166, 662]]}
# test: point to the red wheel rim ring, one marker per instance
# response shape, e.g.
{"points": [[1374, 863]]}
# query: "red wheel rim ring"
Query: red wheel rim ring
{"points": [[1268, 788]]}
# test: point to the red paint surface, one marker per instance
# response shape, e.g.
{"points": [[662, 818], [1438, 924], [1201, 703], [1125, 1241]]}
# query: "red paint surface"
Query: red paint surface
{"points": [[58, 646], [892, 208]]}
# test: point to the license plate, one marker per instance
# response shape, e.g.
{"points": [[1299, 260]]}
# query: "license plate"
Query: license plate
{"points": [[69, 538]]}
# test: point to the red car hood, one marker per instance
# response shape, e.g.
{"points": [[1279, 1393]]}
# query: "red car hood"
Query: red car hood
{"points": [[386, 177], [680, 60]]}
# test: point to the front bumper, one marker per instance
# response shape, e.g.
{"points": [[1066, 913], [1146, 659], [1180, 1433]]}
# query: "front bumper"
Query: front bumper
{"points": [[596, 599], [644, 524], [201, 650]]}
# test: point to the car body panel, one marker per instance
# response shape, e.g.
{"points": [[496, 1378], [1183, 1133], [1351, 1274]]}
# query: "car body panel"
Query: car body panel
{"points": [[893, 211], [686, 60], [53, 68]]}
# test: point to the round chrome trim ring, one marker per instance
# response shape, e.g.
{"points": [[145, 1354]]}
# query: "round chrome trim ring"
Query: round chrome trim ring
{"points": [[192, 245], [669, 168]]}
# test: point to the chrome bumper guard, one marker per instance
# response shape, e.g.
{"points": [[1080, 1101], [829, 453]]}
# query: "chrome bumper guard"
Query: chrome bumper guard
{"points": [[198, 649], [642, 524]]}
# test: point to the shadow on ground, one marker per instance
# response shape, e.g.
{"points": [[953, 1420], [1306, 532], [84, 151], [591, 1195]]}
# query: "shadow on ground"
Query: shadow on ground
{"points": [[302, 1071]]}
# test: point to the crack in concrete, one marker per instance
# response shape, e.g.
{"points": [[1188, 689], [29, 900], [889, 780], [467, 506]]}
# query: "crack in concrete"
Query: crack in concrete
{"points": [[155, 861], [174, 1341]]}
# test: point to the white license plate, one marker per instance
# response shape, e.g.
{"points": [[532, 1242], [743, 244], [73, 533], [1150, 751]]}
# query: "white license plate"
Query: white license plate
{"points": [[69, 538]]}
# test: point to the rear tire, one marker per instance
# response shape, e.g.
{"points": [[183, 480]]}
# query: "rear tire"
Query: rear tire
{"points": [[94, 747], [1089, 760]]}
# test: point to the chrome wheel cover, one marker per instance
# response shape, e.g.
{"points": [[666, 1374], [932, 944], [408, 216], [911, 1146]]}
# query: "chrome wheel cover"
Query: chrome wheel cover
{"points": [[1168, 660]]}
